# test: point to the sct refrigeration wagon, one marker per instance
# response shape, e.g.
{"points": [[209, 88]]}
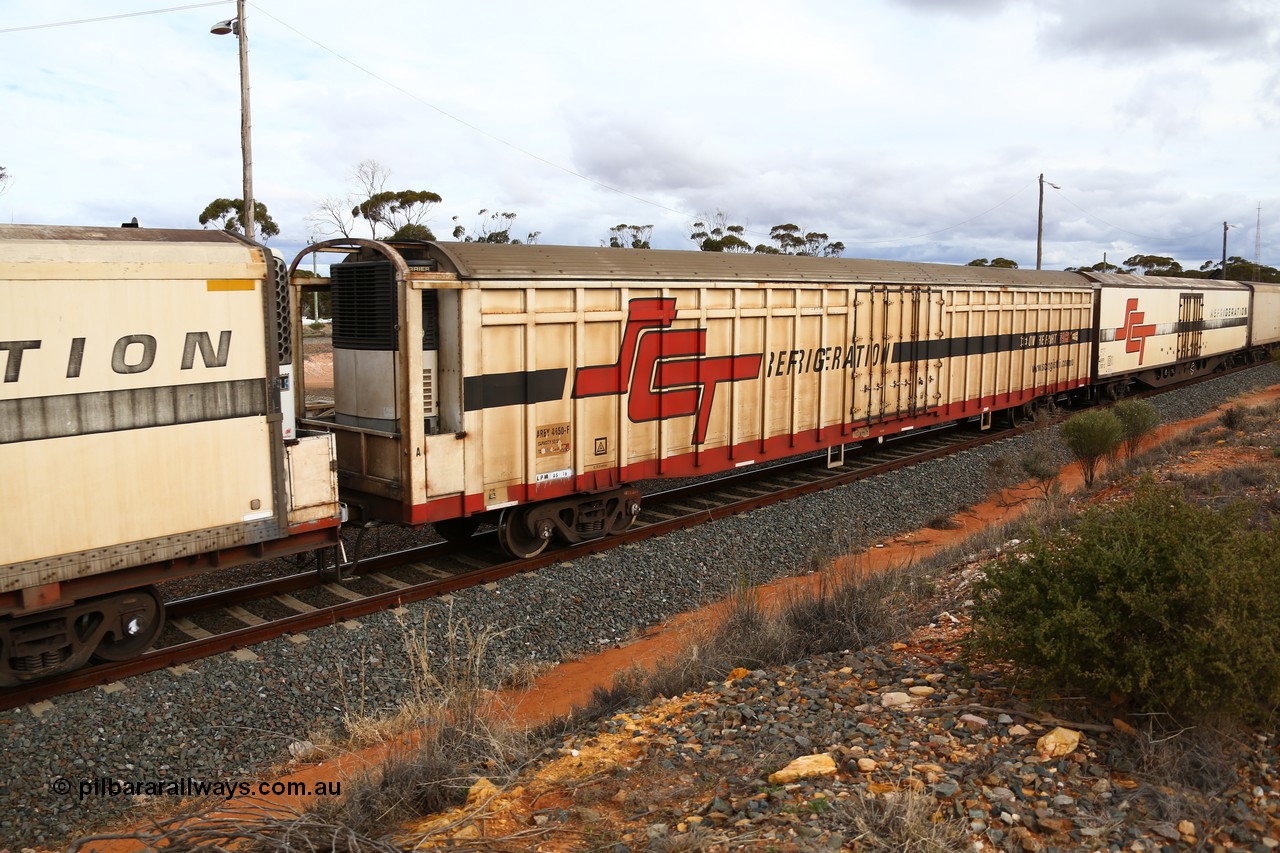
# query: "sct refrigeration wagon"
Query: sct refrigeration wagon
{"points": [[142, 433], [1155, 330], [531, 385]]}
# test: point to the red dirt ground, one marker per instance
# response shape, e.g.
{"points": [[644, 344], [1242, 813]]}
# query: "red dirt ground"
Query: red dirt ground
{"points": [[559, 690]]}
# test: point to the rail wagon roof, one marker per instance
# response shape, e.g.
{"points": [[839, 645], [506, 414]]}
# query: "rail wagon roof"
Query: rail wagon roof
{"points": [[1131, 280], [522, 262], [56, 252], [129, 235]]}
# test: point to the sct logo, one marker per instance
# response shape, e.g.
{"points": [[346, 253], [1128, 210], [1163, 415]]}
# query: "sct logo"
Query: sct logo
{"points": [[663, 370], [1133, 332]]}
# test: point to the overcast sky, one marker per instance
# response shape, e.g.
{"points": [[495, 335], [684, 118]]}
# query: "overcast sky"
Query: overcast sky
{"points": [[905, 128]]}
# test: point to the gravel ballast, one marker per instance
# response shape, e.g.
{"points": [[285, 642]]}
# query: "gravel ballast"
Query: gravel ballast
{"points": [[227, 718]]}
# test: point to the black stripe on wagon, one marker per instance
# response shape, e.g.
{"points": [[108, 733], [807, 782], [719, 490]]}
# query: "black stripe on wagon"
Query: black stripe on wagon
{"points": [[980, 344], [1182, 326], [521, 388], [63, 415]]}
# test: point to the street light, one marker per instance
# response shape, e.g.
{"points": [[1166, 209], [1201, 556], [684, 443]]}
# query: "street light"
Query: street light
{"points": [[1040, 218], [236, 27]]}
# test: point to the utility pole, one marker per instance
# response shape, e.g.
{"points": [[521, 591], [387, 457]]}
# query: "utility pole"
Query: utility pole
{"points": [[1257, 244], [237, 27], [1225, 226], [246, 146], [1040, 219]]}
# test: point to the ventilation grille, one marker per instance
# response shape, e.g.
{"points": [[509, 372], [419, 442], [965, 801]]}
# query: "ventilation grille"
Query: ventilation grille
{"points": [[430, 320], [364, 306], [284, 337]]}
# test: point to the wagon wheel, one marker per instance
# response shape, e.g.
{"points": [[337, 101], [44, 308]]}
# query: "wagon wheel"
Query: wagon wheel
{"points": [[626, 518], [133, 628], [457, 529], [515, 537]]}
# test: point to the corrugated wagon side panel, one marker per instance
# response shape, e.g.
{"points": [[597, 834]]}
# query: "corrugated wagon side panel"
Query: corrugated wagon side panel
{"points": [[503, 420], [703, 377], [835, 386], [588, 385], [1002, 348], [597, 339]]}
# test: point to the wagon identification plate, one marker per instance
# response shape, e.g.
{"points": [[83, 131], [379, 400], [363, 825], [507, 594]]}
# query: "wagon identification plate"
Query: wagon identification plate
{"points": [[553, 439]]}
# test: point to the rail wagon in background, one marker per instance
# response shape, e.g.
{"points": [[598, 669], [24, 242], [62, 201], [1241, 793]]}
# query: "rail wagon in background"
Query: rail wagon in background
{"points": [[1155, 330], [531, 385], [1264, 319], [143, 433]]}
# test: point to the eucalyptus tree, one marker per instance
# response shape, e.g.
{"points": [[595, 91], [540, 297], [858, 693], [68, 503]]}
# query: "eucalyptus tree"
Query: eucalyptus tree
{"points": [[629, 236], [714, 233], [228, 214], [492, 227]]}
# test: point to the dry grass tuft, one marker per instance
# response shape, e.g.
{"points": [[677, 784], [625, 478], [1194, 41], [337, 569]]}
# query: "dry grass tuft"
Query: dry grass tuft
{"points": [[448, 733], [902, 821], [1185, 770]]}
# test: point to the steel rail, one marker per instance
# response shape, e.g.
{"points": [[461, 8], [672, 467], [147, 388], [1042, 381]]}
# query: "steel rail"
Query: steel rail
{"points": [[197, 649], [866, 461]]}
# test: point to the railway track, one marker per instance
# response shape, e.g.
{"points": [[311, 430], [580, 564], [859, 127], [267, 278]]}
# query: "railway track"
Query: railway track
{"points": [[205, 625]]}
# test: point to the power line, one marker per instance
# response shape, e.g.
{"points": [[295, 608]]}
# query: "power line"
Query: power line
{"points": [[468, 124], [113, 17], [566, 169], [524, 151], [1017, 193], [1126, 231]]}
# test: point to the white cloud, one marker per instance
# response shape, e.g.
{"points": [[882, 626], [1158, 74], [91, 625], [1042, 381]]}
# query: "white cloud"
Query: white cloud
{"points": [[1137, 29], [889, 124]]}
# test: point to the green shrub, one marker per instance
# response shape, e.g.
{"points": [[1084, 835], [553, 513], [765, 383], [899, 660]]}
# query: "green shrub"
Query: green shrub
{"points": [[1171, 604], [1091, 437], [1138, 419]]}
